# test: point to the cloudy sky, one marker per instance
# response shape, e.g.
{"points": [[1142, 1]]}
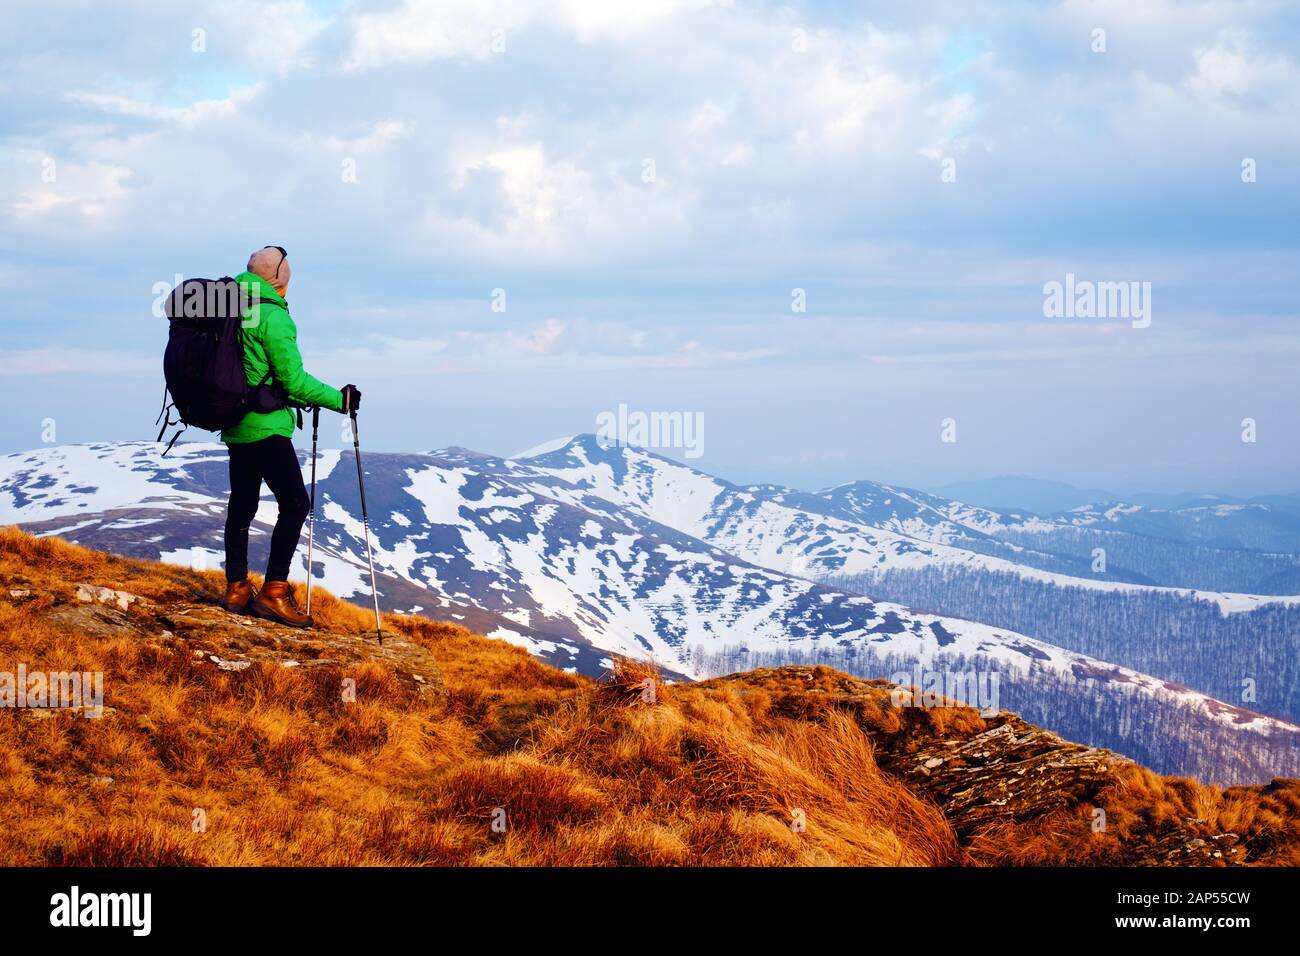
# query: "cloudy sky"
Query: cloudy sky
{"points": [[647, 185]]}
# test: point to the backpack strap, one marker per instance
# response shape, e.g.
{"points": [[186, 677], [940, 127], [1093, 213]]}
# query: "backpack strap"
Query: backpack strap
{"points": [[252, 391], [173, 441], [164, 416], [162, 413], [263, 300]]}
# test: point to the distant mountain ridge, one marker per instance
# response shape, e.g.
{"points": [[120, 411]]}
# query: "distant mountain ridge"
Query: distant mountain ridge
{"points": [[1046, 497], [879, 525], [1039, 496]]}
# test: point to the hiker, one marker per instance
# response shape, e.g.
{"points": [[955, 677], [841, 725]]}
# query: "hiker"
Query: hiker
{"points": [[261, 446]]}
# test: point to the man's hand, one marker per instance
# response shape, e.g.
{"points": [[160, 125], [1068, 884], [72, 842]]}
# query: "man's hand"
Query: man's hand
{"points": [[351, 399]]}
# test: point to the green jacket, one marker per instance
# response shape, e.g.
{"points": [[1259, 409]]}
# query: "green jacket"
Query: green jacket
{"points": [[271, 342]]}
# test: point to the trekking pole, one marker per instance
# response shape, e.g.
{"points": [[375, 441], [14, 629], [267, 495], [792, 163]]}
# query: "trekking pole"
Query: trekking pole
{"points": [[365, 523], [311, 515]]}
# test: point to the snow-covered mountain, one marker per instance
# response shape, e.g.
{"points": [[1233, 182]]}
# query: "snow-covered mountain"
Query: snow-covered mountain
{"points": [[920, 550], [861, 528], [578, 551]]}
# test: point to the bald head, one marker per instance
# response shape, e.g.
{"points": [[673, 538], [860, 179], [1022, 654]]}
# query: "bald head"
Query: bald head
{"points": [[272, 266]]}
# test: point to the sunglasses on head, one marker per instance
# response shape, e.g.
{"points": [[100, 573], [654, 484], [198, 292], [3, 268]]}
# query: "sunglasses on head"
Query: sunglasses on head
{"points": [[283, 255]]}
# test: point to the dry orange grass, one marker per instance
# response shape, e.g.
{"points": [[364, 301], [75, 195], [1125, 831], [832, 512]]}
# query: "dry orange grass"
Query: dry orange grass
{"points": [[522, 764]]}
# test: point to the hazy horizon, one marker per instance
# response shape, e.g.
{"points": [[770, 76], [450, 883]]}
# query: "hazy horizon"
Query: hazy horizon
{"points": [[953, 488]]}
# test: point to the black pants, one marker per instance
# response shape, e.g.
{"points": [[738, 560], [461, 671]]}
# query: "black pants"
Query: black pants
{"points": [[274, 461]]}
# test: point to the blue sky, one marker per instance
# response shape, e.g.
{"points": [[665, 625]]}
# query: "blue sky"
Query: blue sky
{"points": [[501, 145]]}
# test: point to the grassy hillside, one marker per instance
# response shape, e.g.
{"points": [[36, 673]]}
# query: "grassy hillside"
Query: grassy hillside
{"points": [[458, 749]]}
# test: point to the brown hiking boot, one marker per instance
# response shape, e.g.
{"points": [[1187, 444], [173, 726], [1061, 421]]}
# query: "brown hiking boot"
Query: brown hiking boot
{"points": [[238, 594], [275, 603]]}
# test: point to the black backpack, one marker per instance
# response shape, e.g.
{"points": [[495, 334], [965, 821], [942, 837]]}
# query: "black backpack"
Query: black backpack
{"points": [[204, 361]]}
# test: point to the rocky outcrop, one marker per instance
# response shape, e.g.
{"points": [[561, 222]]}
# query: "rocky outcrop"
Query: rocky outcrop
{"points": [[232, 641], [983, 771], [1011, 772], [91, 593], [229, 641]]}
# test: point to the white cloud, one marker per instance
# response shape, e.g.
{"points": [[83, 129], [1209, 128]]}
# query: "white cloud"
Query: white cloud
{"points": [[540, 342], [1230, 67], [545, 209], [592, 20], [382, 134], [707, 117], [275, 35], [537, 191], [417, 31], [81, 195], [185, 116], [740, 154]]}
